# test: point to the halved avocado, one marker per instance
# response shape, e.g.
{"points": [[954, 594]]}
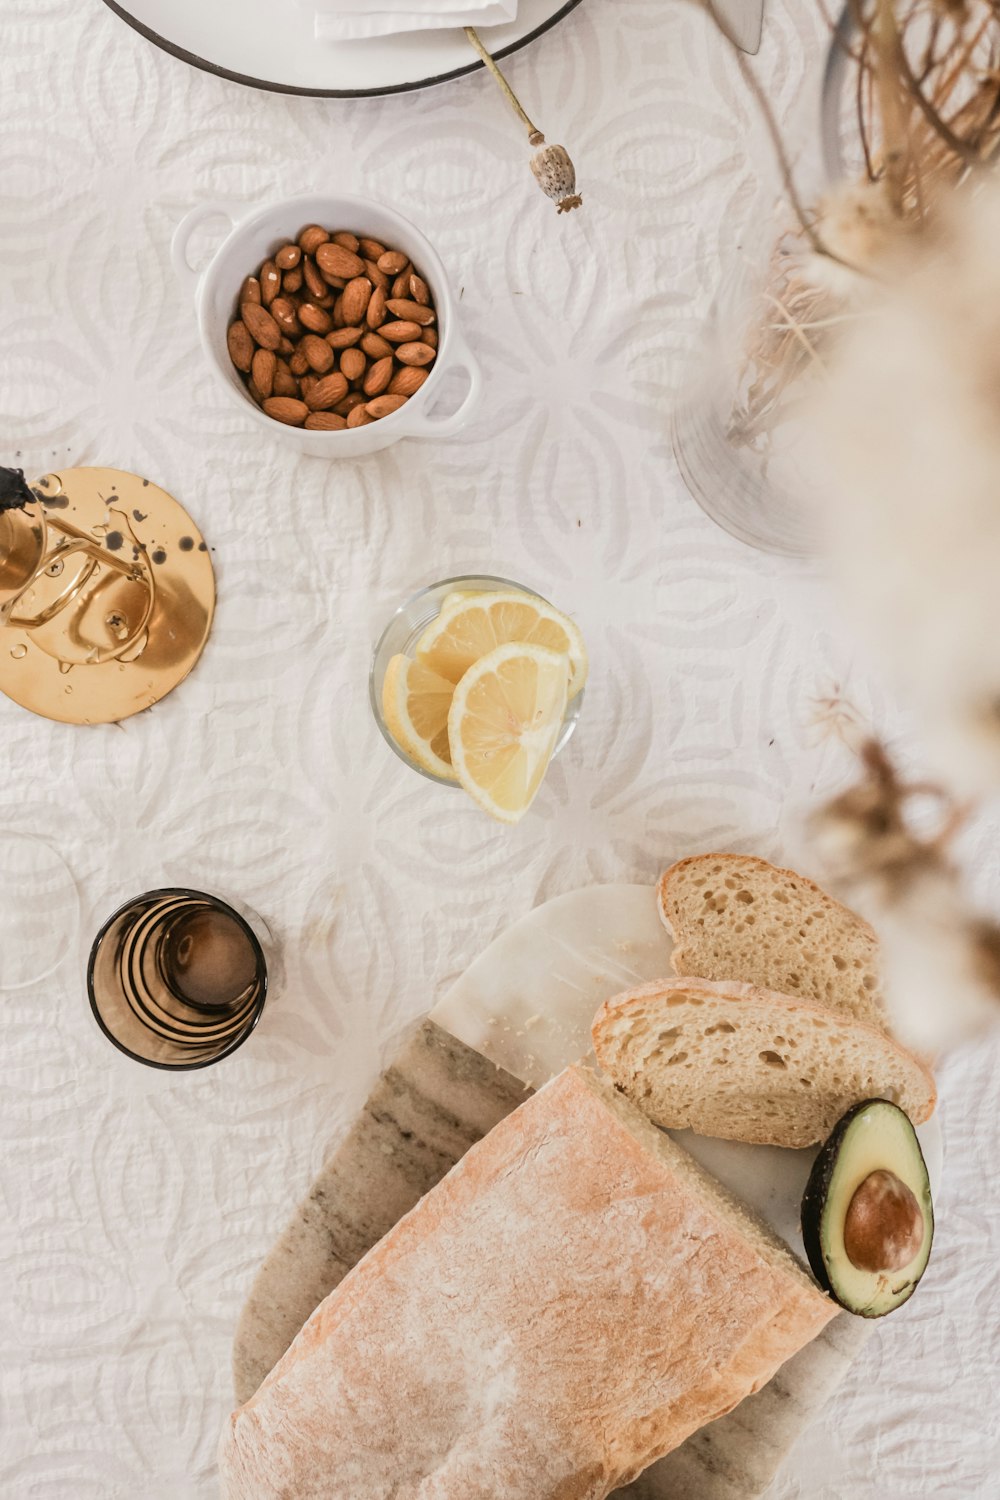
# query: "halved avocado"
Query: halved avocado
{"points": [[867, 1216]]}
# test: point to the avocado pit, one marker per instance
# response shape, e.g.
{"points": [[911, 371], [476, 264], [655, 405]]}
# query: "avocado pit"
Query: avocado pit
{"points": [[884, 1226]]}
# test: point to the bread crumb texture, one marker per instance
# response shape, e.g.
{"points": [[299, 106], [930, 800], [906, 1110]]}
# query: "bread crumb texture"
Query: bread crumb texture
{"points": [[736, 917]]}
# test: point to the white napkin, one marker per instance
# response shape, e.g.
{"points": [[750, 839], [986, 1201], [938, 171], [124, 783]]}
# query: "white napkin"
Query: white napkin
{"points": [[352, 20]]}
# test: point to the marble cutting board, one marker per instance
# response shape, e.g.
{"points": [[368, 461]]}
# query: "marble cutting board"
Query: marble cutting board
{"points": [[520, 1013]]}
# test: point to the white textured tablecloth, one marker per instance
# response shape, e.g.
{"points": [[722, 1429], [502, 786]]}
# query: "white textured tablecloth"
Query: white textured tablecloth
{"points": [[136, 1206]]}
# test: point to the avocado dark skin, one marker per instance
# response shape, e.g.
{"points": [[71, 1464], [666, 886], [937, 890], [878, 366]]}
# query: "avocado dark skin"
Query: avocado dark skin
{"points": [[867, 1216]]}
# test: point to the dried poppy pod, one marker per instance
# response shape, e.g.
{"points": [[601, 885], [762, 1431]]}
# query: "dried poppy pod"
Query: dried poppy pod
{"points": [[556, 175], [554, 170]]}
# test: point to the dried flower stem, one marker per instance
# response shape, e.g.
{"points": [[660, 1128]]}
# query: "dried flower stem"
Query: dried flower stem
{"points": [[551, 165], [535, 136], [895, 130], [784, 165], [926, 90]]}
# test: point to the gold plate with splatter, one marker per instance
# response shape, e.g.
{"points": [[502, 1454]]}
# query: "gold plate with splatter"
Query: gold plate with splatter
{"points": [[107, 594]]}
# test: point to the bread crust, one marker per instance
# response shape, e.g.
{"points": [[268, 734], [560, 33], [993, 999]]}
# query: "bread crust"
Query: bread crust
{"points": [[564, 1308]]}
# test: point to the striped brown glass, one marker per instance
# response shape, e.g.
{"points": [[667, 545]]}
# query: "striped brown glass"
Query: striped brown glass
{"points": [[177, 979]]}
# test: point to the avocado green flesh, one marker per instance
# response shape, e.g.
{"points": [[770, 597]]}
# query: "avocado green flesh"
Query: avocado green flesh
{"points": [[873, 1136]]}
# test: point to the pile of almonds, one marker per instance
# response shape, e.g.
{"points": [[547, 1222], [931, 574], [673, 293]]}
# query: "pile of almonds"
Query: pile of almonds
{"points": [[336, 330]]}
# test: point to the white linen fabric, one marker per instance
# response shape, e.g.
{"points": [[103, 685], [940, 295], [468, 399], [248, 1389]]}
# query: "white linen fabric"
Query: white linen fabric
{"points": [[138, 1205], [353, 20]]}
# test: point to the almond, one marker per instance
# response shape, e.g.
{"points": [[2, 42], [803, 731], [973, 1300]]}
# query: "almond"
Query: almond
{"points": [[327, 392], [415, 354], [287, 257], [249, 291], [316, 319], [286, 348], [264, 366], [378, 377], [286, 409], [306, 384], [318, 352], [240, 344], [359, 417], [270, 282], [337, 314], [375, 346], [285, 383], [400, 333], [401, 285], [384, 406], [407, 380], [334, 260], [370, 249], [325, 421], [429, 336], [345, 407], [312, 237], [344, 338], [375, 316], [355, 300], [262, 327], [419, 290], [377, 277], [391, 262], [291, 281], [315, 284], [348, 240], [283, 313], [414, 311], [353, 364], [298, 364], [255, 394]]}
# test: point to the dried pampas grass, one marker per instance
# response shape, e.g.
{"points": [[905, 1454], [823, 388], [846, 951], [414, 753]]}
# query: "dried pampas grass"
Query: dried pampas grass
{"points": [[909, 426], [941, 959]]}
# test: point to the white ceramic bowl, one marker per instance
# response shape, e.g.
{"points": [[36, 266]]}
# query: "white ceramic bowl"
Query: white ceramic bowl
{"points": [[254, 237]]}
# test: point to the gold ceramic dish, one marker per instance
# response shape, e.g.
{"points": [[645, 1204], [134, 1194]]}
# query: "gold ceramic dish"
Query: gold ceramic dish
{"points": [[107, 594]]}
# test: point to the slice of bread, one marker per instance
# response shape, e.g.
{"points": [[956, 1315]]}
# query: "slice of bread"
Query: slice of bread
{"points": [[747, 1064], [736, 917]]}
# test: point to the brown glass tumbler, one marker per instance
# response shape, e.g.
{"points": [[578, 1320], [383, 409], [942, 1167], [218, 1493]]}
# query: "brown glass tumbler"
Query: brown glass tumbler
{"points": [[177, 979]]}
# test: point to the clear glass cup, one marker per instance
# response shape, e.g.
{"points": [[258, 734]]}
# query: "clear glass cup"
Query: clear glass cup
{"points": [[406, 627], [755, 484], [751, 470], [39, 910], [177, 979]]}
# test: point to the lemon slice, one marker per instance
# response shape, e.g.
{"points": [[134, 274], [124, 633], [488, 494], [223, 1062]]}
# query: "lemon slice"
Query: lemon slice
{"points": [[472, 627], [503, 725], [415, 704]]}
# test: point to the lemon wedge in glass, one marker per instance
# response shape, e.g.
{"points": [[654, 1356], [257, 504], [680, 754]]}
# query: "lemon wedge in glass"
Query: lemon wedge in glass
{"points": [[503, 724], [415, 704], [471, 628]]}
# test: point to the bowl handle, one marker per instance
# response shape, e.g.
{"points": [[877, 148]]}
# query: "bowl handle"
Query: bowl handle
{"points": [[182, 234], [420, 425]]}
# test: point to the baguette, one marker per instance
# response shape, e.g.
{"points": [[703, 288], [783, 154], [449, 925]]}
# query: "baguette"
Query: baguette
{"points": [[571, 1302], [747, 1064], [733, 916]]}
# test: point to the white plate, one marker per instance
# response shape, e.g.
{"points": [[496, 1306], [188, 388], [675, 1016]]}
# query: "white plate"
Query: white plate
{"points": [[527, 1003], [270, 44]]}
